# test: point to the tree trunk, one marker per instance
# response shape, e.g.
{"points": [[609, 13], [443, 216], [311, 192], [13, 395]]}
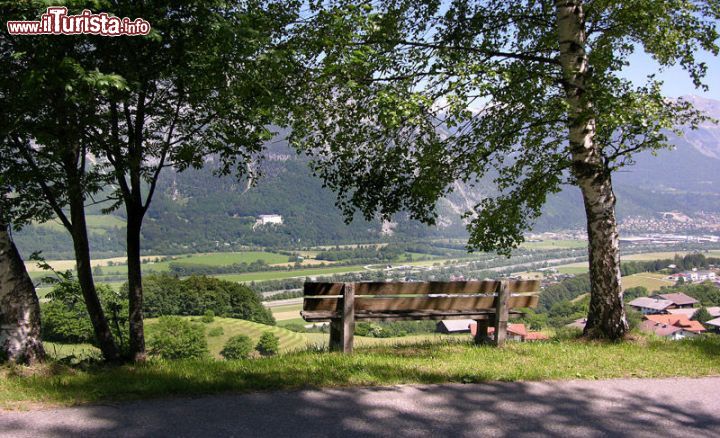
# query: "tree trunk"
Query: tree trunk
{"points": [[19, 307], [606, 317], [81, 244], [137, 333]]}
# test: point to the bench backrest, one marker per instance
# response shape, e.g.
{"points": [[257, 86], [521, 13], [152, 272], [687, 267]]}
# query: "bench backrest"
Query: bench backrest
{"points": [[426, 296]]}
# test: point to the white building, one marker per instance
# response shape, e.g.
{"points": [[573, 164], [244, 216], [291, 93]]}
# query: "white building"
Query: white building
{"points": [[267, 219]]}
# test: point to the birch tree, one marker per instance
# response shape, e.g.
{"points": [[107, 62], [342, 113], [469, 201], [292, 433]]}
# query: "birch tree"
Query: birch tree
{"points": [[405, 98]]}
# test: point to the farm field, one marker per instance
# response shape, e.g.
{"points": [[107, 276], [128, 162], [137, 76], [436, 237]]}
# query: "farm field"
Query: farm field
{"points": [[276, 275], [282, 313], [210, 259], [652, 282], [665, 255], [96, 223], [555, 244]]}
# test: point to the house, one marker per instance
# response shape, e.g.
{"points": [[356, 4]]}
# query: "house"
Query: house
{"points": [[679, 300], [713, 311], [269, 219], [695, 276], [650, 306], [515, 332], [671, 326], [689, 313], [714, 324], [454, 326], [578, 324]]}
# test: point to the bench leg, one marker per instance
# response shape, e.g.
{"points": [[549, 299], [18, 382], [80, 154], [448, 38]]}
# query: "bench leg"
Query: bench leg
{"points": [[342, 330], [501, 314], [336, 335], [481, 333]]}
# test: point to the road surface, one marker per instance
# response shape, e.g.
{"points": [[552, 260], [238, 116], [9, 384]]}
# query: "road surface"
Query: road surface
{"points": [[641, 408]]}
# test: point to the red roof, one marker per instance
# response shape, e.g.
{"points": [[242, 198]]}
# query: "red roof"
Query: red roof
{"points": [[514, 329], [680, 321], [658, 328]]}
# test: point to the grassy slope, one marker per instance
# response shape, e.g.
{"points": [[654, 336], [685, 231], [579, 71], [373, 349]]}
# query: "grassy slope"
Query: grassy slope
{"points": [[383, 365], [652, 282], [289, 341]]}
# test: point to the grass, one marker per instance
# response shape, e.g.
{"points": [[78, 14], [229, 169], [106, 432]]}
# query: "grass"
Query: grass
{"points": [[450, 361], [289, 341], [556, 244], [276, 275], [652, 282], [96, 223], [209, 259]]}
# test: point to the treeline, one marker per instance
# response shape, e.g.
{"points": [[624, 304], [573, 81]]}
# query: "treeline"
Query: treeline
{"points": [[168, 295], [686, 263], [185, 269], [65, 318], [566, 290]]}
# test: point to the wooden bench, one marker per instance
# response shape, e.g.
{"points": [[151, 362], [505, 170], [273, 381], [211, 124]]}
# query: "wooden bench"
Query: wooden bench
{"points": [[487, 302]]}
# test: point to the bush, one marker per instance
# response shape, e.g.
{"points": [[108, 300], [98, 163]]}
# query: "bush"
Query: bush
{"points": [[237, 347], [216, 331], [168, 295], [176, 338], [268, 345], [208, 316]]}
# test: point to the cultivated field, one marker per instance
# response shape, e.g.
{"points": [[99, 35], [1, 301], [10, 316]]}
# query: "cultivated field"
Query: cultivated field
{"points": [[652, 282]]}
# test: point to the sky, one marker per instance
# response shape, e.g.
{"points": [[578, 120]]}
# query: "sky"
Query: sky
{"points": [[676, 81]]}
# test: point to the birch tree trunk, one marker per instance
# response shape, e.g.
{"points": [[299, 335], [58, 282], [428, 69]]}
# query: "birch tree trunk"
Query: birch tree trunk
{"points": [[19, 307], [606, 317]]}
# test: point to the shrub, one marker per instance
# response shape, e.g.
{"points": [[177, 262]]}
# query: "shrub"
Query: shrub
{"points": [[567, 333], [176, 338], [268, 345], [216, 331], [237, 347], [208, 316]]}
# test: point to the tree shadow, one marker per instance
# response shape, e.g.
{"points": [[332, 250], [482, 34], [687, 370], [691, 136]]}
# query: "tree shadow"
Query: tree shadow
{"points": [[674, 408]]}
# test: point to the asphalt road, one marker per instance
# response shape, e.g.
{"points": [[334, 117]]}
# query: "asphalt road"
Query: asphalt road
{"points": [[635, 407]]}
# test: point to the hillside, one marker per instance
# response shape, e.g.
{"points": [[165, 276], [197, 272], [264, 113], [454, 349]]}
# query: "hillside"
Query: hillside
{"points": [[196, 211]]}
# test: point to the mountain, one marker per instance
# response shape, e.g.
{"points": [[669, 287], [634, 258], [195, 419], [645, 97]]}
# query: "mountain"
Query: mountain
{"points": [[196, 211]]}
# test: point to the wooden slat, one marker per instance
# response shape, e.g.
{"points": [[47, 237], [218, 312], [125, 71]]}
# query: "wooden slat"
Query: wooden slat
{"points": [[316, 316], [425, 288], [419, 303], [312, 289]]}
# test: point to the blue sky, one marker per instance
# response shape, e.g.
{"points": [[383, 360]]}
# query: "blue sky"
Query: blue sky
{"points": [[676, 81]]}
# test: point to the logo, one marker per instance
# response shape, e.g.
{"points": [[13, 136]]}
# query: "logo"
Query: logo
{"points": [[56, 21]]}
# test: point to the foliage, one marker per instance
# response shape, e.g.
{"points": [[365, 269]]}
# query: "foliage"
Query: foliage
{"points": [[448, 92], [169, 295], [634, 318], [237, 347], [268, 345], [635, 292], [208, 316], [684, 263], [707, 293], [702, 315], [567, 289], [394, 329], [65, 318], [177, 338], [216, 331]]}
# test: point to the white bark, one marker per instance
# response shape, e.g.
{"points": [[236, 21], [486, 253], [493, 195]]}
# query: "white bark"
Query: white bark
{"points": [[606, 317], [19, 307]]}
